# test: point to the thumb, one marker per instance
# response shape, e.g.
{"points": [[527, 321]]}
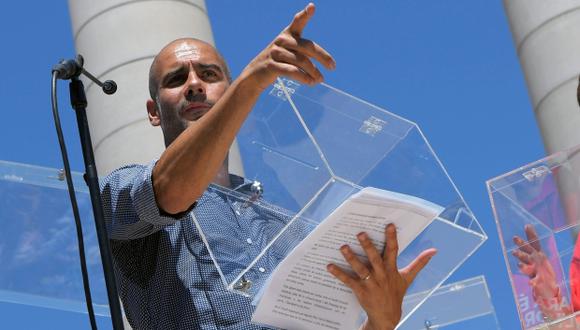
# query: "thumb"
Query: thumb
{"points": [[412, 270]]}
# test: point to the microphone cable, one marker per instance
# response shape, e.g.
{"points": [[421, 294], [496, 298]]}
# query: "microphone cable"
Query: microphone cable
{"points": [[71, 191]]}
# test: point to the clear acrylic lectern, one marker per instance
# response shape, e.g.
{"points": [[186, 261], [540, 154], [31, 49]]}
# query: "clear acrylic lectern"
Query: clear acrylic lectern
{"points": [[305, 150], [40, 273], [543, 197], [460, 305]]}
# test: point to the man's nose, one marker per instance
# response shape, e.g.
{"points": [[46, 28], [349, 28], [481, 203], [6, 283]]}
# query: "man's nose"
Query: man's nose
{"points": [[195, 85]]}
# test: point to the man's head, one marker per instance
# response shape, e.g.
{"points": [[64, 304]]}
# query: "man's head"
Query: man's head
{"points": [[186, 78]]}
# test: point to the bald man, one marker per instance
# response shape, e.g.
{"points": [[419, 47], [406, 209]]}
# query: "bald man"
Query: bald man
{"points": [[166, 276]]}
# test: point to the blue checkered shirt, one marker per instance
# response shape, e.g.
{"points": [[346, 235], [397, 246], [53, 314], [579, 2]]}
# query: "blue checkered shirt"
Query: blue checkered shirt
{"points": [[165, 274]]}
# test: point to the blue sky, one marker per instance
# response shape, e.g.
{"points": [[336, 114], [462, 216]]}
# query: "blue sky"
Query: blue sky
{"points": [[448, 65]]}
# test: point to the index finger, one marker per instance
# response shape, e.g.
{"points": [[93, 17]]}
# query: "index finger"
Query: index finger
{"points": [[533, 237], [300, 20]]}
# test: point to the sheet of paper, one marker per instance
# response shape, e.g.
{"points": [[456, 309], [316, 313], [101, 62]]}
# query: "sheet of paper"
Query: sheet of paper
{"points": [[301, 294]]}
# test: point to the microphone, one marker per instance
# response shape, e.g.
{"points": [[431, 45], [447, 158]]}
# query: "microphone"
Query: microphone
{"points": [[257, 189]]}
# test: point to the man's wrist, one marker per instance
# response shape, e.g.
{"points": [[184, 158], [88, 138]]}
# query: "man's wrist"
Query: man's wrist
{"points": [[554, 302], [367, 326], [250, 82]]}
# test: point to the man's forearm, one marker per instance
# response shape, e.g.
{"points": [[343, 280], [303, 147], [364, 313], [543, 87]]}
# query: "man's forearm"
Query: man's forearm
{"points": [[191, 162]]}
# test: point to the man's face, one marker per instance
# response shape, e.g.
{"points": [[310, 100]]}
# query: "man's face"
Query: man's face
{"points": [[191, 77]]}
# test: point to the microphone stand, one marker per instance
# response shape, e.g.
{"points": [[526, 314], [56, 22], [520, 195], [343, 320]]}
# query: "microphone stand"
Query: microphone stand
{"points": [[72, 69]]}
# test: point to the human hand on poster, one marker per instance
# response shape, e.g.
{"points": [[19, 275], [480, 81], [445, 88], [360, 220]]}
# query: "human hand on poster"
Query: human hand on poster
{"points": [[534, 263]]}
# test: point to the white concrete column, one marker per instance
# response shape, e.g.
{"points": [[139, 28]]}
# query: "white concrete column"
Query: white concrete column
{"points": [[547, 38], [119, 39]]}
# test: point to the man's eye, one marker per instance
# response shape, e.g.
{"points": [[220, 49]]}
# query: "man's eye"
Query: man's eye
{"points": [[175, 80], [209, 74]]}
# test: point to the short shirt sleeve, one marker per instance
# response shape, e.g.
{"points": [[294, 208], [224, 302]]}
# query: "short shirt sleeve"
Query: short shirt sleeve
{"points": [[129, 204]]}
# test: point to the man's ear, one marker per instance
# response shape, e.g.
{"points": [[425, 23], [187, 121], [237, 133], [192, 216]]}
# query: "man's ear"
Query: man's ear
{"points": [[153, 113]]}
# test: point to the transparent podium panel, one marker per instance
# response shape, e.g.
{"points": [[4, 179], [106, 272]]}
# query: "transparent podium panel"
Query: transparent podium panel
{"points": [[536, 208], [306, 151], [40, 270], [460, 305]]}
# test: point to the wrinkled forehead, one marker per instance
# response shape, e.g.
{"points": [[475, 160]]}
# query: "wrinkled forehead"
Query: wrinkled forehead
{"points": [[188, 50], [185, 50]]}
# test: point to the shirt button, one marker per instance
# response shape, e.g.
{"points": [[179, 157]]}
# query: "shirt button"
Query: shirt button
{"points": [[262, 269], [249, 241]]}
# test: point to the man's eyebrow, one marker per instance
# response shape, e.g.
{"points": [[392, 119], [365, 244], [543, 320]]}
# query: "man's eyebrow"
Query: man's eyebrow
{"points": [[210, 66]]}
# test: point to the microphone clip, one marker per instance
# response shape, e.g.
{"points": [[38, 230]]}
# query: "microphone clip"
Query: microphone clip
{"points": [[69, 69], [73, 68]]}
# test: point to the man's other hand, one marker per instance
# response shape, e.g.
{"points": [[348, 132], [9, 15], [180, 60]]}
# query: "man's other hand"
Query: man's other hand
{"points": [[380, 287]]}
